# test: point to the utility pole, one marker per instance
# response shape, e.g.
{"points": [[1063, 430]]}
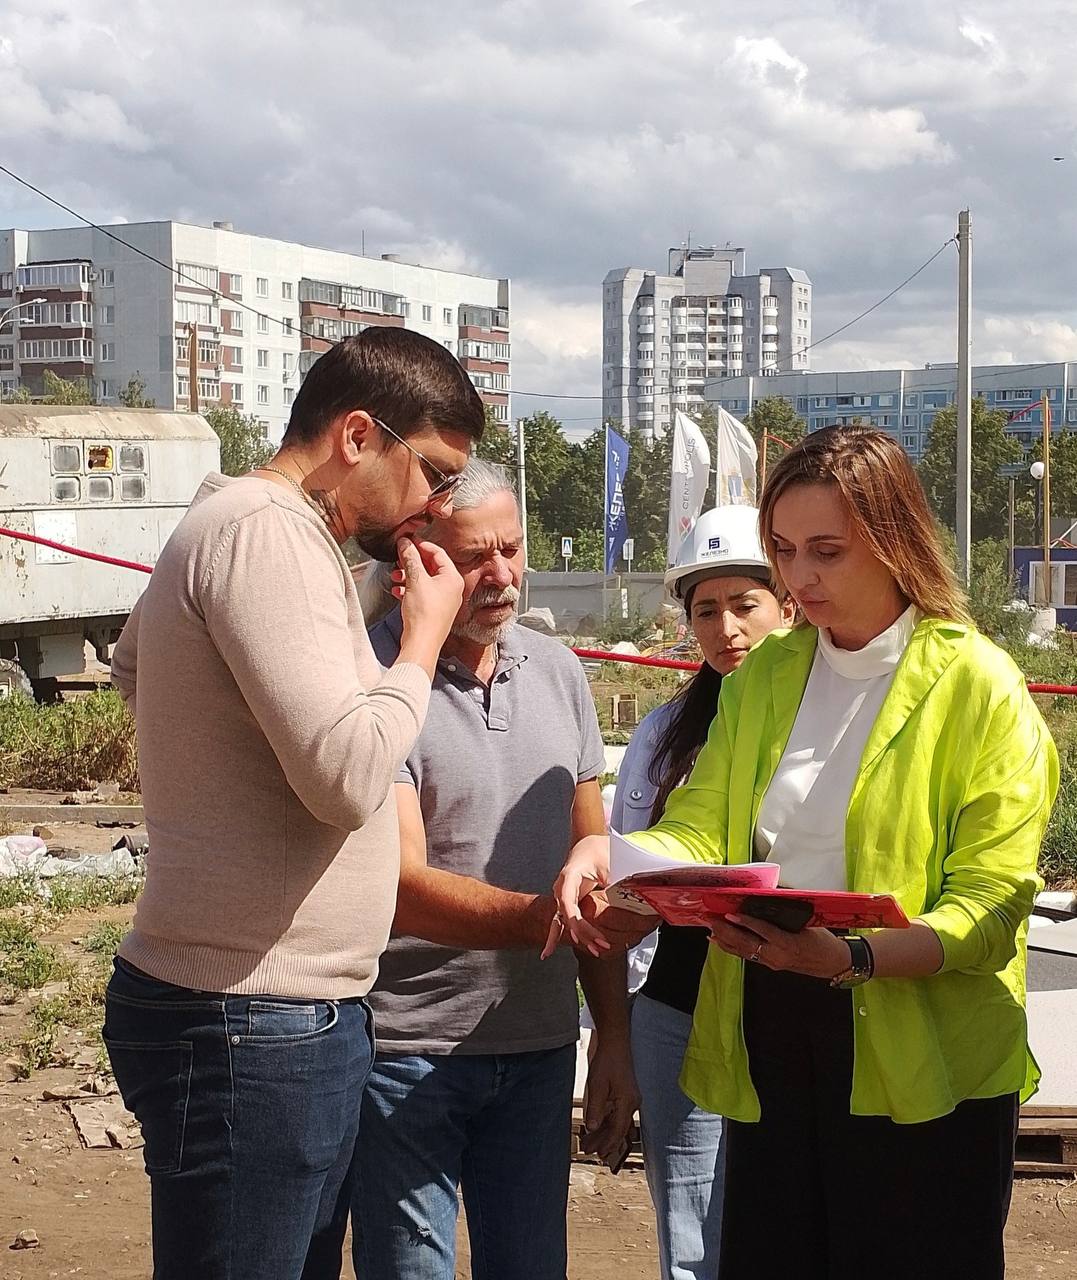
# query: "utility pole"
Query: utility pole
{"points": [[192, 368], [964, 396], [521, 489], [1046, 482]]}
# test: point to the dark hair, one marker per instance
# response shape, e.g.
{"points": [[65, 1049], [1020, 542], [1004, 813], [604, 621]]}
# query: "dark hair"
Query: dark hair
{"points": [[694, 708], [409, 381]]}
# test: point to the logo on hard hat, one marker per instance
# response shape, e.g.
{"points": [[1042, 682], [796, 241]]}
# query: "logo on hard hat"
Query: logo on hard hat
{"points": [[716, 546]]}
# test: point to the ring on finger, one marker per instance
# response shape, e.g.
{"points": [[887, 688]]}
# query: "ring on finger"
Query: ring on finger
{"points": [[755, 956]]}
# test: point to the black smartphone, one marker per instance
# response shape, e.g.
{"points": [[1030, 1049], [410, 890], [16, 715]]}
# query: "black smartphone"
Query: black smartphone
{"points": [[790, 914], [616, 1161]]}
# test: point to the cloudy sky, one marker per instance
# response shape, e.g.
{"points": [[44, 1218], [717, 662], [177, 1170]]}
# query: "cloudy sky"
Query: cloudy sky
{"points": [[550, 140]]}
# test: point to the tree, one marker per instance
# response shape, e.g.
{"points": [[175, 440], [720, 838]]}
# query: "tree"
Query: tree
{"points": [[64, 391], [243, 446], [133, 394], [774, 416], [991, 449]]}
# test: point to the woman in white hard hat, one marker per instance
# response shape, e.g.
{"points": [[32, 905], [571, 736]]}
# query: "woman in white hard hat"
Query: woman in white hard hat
{"points": [[724, 581]]}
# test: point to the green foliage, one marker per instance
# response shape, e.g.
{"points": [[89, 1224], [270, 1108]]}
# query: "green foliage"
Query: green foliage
{"points": [[243, 446], [67, 746], [63, 391], [80, 1007], [773, 416], [105, 937], [991, 449], [133, 394], [25, 963], [68, 894]]}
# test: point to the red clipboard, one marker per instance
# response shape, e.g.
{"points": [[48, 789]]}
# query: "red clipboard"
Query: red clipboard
{"points": [[684, 897]]}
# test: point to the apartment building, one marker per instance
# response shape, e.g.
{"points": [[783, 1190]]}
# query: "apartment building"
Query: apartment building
{"points": [[666, 338], [903, 402], [263, 310]]}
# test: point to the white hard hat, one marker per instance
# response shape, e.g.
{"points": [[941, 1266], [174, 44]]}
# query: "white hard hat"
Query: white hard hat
{"points": [[723, 543]]}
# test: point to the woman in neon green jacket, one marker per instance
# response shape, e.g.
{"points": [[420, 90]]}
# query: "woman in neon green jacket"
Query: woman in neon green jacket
{"points": [[872, 1083]]}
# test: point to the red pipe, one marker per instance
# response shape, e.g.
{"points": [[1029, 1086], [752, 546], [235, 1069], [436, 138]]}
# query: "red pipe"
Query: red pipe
{"points": [[602, 655]]}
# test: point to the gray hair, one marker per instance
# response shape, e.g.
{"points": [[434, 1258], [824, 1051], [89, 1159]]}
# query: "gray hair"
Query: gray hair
{"points": [[482, 481]]}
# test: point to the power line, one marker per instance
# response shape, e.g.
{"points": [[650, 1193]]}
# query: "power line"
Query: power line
{"points": [[290, 328], [803, 350]]}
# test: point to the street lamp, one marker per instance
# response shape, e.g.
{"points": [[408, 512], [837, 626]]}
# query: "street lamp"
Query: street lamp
{"points": [[19, 306], [1037, 471]]}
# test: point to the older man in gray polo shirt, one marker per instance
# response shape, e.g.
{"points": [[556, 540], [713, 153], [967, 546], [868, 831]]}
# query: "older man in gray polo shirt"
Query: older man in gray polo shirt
{"points": [[472, 1084]]}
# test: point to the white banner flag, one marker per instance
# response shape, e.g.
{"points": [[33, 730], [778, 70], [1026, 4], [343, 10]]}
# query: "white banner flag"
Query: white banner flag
{"points": [[736, 462], [688, 481]]}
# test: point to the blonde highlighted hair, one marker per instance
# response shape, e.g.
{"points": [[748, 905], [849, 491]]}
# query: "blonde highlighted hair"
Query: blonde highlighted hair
{"points": [[887, 505]]}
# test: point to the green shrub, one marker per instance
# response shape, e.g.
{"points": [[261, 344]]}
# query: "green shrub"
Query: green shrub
{"points": [[25, 963], [67, 746]]}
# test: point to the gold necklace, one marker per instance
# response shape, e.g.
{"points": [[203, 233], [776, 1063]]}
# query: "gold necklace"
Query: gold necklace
{"points": [[291, 480]]}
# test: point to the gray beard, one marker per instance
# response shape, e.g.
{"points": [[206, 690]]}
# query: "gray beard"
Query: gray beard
{"points": [[477, 632]]}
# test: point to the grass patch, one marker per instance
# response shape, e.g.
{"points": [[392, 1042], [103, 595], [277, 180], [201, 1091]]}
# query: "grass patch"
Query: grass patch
{"points": [[67, 746], [69, 893], [105, 937], [25, 963], [18, 891], [80, 1007]]}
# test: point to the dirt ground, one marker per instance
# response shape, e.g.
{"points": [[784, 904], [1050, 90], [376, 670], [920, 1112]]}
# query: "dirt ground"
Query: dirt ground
{"points": [[90, 1211]]}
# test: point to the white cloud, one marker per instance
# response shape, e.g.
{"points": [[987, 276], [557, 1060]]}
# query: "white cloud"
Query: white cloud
{"points": [[550, 140]]}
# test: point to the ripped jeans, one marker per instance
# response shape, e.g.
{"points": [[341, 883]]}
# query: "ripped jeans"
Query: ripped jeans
{"points": [[496, 1127]]}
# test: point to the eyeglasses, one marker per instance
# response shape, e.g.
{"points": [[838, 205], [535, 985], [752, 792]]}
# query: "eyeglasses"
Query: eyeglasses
{"points": [[441, 485]]}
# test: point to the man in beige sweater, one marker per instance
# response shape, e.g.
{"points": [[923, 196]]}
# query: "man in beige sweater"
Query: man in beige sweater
{"points": [[269, 739]]}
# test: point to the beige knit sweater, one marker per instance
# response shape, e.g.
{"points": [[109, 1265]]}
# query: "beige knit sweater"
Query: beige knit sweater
{"points": [[268, 740]]}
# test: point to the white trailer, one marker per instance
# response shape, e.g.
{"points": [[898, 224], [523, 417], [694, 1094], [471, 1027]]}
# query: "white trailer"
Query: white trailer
{"points": [[112, 481]]}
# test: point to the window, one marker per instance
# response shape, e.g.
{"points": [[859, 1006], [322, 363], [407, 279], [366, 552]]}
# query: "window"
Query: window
{"points": [[99, 488], [263, 394], [885, 402], [106, 277], [235, 285], [132, 457], [909, 441], [7, 281], [287, 324], [911, 420], [209, 389], [66, 488], [64, 314], [447, 315], [236, 392], [289, 395], [261, 286], [194, 312], [233, 356], [132, 488], [263, 324], [54, 275], [7, 353], [859, 402], [106, 388], [107, 350], [232, 321], [263, 358], [192, 273], [912, 402], [287, 361], [428, 312], [66, 457], [107, 314], [80, 349], [287, 291]]}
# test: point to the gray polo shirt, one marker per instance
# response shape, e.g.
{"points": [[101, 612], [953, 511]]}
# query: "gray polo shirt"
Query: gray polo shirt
{"points": [[496, 769]]}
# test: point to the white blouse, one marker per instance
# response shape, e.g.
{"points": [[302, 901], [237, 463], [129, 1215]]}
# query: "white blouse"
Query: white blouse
{"points": [[801, 821]]}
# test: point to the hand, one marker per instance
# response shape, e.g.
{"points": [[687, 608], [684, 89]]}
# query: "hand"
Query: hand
{"points": [[814, 952], [430, 588], [617, 927], [587, 866], [610, 1099]]}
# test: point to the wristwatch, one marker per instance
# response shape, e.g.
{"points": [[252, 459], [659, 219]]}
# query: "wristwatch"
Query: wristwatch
{"points": [[861, 964]]}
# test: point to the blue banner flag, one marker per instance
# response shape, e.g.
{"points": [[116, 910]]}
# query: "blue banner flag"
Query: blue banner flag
{"points": [[616, 517]]}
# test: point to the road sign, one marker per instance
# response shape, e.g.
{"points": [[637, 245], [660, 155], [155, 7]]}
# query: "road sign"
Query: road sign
{"points": [[629, 550], [566, 548]]}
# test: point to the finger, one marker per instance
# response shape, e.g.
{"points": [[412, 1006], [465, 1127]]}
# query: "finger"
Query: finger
{"points": [[586, 937], [570, 887], [398, 592], [553, 938], [596, 1104], [411, 563], [434, 559], [761, 928]]}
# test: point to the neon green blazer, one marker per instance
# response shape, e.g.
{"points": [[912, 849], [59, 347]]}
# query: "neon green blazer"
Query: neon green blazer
{"points": [[947, 813]]}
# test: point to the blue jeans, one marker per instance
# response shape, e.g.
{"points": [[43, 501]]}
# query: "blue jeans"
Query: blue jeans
{"points": [[682, 1146], [249, 1106], [497, 1127]]}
